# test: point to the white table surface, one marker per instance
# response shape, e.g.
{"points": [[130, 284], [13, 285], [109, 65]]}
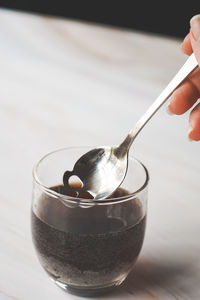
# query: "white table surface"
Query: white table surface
{"points": [[66, 83]]}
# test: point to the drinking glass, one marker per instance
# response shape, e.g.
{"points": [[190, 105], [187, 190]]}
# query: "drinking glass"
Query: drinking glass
{"points": [[87, 246]]}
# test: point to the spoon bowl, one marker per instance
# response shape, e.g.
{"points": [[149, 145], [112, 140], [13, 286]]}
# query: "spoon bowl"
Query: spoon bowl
{"points": [[100, 172]]}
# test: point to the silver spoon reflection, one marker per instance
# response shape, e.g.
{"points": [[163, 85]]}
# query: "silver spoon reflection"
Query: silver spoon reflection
{"points": [[102, 170]]}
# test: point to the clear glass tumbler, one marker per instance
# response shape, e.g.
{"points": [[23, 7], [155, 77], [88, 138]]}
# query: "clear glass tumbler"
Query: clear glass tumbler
{"points": [[87, 246]]}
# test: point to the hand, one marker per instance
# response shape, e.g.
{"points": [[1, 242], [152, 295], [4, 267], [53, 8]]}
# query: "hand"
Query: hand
{"points": [[187, 94]]}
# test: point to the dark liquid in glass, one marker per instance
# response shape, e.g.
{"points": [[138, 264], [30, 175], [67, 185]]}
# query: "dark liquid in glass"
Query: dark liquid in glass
{"points": [[88, 246]]}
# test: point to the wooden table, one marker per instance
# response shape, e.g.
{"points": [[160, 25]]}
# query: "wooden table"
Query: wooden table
{"points": [[69, 83]]}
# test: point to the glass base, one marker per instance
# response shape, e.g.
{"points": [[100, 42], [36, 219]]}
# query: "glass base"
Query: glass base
{"points": [[88, 291]]}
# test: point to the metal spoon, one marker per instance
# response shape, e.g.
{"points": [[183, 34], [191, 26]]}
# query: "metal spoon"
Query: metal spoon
{"points": [[102, 170]]}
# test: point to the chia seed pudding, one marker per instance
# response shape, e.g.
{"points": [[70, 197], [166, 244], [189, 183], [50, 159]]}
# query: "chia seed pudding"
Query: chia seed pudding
{"points": [[88, 246]]}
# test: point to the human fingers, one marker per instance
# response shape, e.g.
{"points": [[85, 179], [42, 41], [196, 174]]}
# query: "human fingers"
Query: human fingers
{"points": [[186, 94], [194, 121], [186, 45]]}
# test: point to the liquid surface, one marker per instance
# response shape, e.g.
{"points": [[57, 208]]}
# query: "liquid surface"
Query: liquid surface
{"points": [[87, 247]]}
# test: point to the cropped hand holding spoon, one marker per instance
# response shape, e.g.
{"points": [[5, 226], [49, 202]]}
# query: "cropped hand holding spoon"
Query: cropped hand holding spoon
{"points": [[102, 170]]}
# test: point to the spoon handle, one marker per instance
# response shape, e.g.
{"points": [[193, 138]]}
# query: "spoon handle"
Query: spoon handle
{"points": [[185, 70]]}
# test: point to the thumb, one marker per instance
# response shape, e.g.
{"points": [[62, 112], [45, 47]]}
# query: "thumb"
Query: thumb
{"points": [[195, 36]]}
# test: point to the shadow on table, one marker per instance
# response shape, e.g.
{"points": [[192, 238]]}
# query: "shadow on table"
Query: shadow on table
{"points": [[147, 275]]}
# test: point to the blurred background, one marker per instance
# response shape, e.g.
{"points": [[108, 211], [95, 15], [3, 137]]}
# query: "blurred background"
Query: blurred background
{"points": [[162, 17]]}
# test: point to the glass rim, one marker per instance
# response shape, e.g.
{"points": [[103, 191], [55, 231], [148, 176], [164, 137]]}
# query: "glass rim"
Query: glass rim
{"points": [[76, 200]]}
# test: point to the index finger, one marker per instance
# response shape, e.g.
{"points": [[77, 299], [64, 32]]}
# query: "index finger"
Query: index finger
{"points": [[186, 94]]}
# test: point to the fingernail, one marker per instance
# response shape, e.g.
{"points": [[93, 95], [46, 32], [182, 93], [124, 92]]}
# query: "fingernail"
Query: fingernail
{"points": [[189, 131], [169, 111], [190, 140], [195, 26]]}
